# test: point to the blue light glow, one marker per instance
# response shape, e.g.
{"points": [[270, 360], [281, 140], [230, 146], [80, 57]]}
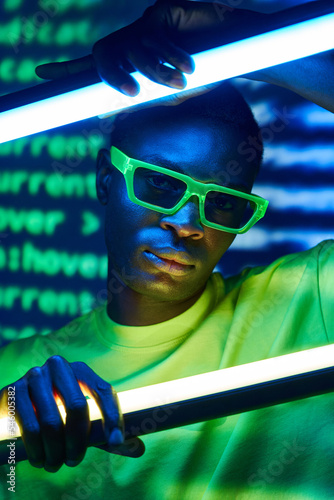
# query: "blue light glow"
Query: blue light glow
{"points": [[245, 56], [311, 157], [261, 239], [307, 200]]}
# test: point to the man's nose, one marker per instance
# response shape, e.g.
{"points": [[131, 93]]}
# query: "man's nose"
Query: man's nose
{"points": [[186, 221]]}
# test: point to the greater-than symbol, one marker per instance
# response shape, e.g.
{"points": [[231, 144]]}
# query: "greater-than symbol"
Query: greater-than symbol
{"points": [[90, 223]]}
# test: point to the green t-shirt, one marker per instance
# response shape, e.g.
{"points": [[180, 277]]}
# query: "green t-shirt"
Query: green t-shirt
{"points": [[282, 452]]}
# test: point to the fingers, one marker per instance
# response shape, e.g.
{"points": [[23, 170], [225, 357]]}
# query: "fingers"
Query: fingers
{"points": [[142, 46], [117, 78], [170, 53], [147, 59], [51, 428], [107, 401], [77, 429], [136, 47], [111, 69], [54, 71], [29, 425], [49, 442], [150, 66]]}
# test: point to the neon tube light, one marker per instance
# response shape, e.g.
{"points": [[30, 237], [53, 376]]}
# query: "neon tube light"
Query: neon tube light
{"points": [[257, 52], [210, 395]]}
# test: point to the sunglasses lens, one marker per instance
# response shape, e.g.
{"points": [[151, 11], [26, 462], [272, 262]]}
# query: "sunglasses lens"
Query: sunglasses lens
{"points": [[157, 188], [164, 191], [228, 210]]}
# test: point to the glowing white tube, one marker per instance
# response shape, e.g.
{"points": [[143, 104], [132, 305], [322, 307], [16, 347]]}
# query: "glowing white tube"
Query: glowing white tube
{"points": [[235, 59], [197, 386]]}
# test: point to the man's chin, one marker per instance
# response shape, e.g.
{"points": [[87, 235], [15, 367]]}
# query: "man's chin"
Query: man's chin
{"points": [[165, 287]]}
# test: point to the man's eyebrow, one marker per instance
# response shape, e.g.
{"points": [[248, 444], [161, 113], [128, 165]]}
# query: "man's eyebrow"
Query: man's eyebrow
{"points": [[155, 160], [240, 186]]}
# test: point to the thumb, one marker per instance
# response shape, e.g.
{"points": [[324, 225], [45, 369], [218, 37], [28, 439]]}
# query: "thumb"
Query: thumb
{"points": [[133, 447]]}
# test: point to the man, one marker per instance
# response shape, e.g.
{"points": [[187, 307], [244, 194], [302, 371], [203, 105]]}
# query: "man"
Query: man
{"points": [[167, 316]]}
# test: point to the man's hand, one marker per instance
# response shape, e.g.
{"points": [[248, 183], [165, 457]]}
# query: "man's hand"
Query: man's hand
{"points": [[166, 33], [171, 30], [48, 441]]}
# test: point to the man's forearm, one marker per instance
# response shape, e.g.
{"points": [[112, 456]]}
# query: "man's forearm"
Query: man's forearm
{"points": [[311, 77]]}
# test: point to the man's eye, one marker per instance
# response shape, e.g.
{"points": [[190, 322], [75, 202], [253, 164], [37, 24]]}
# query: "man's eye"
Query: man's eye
{"points": [[221, 202], [161, 182]]}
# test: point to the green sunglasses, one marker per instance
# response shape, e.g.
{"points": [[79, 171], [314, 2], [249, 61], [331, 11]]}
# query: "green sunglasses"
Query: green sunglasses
{"points": [[166, 191]]}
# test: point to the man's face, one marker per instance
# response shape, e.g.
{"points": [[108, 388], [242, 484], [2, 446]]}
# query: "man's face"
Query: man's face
{"points": [[170, 257]]}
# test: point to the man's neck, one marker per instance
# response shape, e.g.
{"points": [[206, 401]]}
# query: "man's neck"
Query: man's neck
{"points": [[128, 307]]}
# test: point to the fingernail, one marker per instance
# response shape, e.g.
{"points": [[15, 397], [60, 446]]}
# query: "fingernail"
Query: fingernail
{"points": [[116, 437], [39, 465], [72, 463], [177, 82], [128, 90], [187, 67], [51, 468]]}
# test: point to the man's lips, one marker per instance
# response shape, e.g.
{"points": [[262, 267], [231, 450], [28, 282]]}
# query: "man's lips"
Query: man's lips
{"points": [[171, 261], [173, 255]]}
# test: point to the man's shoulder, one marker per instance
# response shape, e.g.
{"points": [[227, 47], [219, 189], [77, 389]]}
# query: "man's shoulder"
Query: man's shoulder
{"points": [[78, 327], [319, 256], [315, 256]]}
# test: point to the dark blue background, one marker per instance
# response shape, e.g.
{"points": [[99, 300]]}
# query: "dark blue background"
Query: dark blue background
{"points": [[297, 176]]}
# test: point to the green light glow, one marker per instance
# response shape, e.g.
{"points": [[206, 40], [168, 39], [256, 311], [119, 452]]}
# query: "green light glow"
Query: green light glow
{"points": [[35, 183], [40, 27], [53, 262], [10, 333], [30, 259], [33, 221], [13, 70], [10, 5], [65, 35], [44, 35], [58, 147], [54, 7], [17, 148], [38, 145], [26, 71], [49, 302], [10, 32], [90, 223], [7, 70]]}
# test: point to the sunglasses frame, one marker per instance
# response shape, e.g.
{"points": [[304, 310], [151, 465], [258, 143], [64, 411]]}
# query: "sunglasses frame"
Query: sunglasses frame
{"points": [[127, 166]]}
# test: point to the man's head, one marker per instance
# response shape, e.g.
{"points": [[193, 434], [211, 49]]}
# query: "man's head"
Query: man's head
{"points": [[200, 137]]}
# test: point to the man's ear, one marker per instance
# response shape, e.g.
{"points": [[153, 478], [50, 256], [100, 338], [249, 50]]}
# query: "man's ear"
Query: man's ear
{"points": [[103, 174]]}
